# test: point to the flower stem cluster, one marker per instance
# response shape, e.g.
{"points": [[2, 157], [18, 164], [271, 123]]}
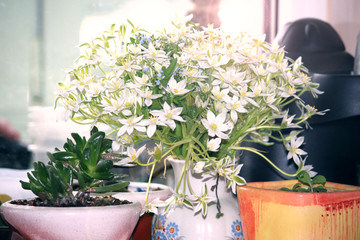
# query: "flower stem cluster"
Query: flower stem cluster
{"points": [[198, 93]]}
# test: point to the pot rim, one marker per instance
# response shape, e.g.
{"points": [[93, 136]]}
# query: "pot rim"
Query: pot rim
{"points": [[159, 186], [270, 191], [274, 186]]}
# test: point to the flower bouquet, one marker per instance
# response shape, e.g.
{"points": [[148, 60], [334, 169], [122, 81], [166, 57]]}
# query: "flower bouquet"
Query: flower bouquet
{"points": [[198, 93]]}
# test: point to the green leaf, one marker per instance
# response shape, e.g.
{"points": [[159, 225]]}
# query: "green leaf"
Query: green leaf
{"points": [[204, 208], [94, 144], [104, 165], [296, 185], [320, 189], [25, 185], [169, 72], [107, 175], [43, 172], [319, 179], [62, 156], [188, 203], [64, 173], [69, 146], [238, 179], [285, 189], [111, 188], [78, 140], [94, 130], [304, 177], [32, 179]]}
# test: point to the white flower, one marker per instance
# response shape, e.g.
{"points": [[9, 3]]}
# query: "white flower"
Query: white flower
{"points": [[158, 55], [232, 177], [120, 141], [142, 81], [201, 202], [221, 95], [114, 84], [214, 60], [132, 155], [148, 96], [235, 106], [168, 115], [153, 206], [287, 121], [127, 66], [65, 87], [134, 49], [94, 89], [130, 124], [231, 75], [213, 144], [112, 105], [294, 148], [199, 166], [215, 124], [270, 100], [152, 123], [246, 96], [70, 106], [177, 88]]}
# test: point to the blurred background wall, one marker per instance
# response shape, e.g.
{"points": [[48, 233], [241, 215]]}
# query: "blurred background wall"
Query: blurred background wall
{"points": [[39, 40]]}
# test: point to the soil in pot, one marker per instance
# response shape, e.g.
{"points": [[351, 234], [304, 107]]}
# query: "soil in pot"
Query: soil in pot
{"points": [[67, 202]]}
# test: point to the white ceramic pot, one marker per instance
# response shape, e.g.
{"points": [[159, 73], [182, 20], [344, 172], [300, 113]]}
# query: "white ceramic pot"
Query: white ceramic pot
{"points": [[137, 192], [182, 223], [81, 223]]}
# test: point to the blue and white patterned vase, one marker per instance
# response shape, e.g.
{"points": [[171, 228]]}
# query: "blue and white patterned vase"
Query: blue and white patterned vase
{"points": [[183, 224]]}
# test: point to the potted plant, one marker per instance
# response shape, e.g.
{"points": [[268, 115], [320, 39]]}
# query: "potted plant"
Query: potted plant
{"points": [[198, 93], [65, 208], [303, 209]]}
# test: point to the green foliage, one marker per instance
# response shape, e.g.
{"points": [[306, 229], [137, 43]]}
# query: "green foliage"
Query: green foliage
{"points": [[79, 164], [306, 184]]}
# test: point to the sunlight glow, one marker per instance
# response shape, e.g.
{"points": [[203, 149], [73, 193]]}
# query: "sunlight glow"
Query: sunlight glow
{"points": [[151, 15], [242, 16]]}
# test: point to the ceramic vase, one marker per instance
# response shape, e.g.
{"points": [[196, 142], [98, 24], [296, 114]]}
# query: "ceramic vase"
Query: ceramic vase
{"points": [[268, 213], [183, 223]]}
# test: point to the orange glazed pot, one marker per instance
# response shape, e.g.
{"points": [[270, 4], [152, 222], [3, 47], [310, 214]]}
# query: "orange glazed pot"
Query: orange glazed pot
{"points": [[268, 213]]}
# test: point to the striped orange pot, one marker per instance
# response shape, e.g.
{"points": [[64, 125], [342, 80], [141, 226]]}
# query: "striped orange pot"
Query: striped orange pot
{"points": [[268, 213]]}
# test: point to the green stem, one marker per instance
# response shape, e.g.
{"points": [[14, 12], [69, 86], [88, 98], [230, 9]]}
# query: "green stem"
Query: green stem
{"points": [[253, 150], [149, 182]]}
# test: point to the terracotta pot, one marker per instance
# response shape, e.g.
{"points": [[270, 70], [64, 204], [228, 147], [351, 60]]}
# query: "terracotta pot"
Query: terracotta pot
{"points": [[268, 213], [63, 223]]}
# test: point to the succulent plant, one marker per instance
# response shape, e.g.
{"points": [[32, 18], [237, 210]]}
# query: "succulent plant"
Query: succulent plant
{"points": [[307, 184], [79, 167]]}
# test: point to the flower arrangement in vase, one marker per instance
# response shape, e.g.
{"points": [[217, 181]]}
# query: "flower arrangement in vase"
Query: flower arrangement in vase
{"points": [[198, 93]]}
